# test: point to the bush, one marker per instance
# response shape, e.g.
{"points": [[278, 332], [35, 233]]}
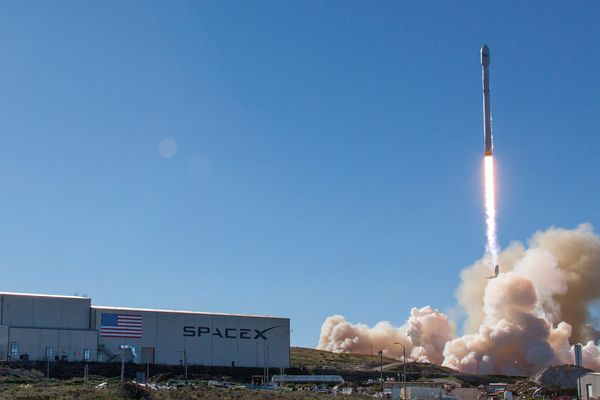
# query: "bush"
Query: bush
{"points": [[130, 390]]}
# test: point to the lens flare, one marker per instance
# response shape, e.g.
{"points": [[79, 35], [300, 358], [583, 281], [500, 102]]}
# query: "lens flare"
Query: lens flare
{"points": [[491, 248]]}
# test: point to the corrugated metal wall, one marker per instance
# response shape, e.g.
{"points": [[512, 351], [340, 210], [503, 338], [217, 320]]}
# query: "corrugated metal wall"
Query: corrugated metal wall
{"points": [[45, 312], [65, 344], [70, 325], [207, 339], [35, 323], [3, 342]]}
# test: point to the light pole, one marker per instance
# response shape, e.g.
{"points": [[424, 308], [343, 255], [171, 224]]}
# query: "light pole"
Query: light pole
{"points": [[404, 364], [122, 363], [381, 369], [185, 369]]}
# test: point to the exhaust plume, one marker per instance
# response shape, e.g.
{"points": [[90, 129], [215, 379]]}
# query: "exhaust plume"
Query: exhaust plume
{"points": [[424, 335], [525, 319], [492, 248]]}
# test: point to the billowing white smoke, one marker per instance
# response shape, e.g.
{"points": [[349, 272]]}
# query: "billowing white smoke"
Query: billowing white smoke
{"points": [[424, 335], [517, 323]]}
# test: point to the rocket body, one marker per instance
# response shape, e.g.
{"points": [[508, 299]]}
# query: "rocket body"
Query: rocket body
{"points": [[487, 118]]}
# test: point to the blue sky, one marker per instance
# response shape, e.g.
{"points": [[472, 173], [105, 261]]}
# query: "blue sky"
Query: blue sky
{"points": [[328, 154]]}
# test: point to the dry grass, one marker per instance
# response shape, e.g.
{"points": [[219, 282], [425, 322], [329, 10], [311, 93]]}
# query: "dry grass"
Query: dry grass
{"points": [[310, 358], [67, 390]]}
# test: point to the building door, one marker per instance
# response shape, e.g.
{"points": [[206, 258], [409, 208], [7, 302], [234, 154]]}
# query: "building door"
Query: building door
{"points": [[147, 355]]}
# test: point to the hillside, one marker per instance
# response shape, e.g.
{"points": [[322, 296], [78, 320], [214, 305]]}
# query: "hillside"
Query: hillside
{"points": [[357, 367], [306, 358], [302, 357]]}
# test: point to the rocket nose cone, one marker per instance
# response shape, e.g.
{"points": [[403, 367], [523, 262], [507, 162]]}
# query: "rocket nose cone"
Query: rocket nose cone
{"points": [[485, 55]]}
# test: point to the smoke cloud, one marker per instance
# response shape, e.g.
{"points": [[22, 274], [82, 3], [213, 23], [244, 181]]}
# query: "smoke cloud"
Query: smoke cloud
{"points": [[424, 335], [520, 322]]}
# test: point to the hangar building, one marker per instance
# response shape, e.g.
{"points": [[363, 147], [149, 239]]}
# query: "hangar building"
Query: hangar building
{"points": [[70, 328]]}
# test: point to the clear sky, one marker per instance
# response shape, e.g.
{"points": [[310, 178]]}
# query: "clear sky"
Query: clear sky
{"points": [[317, 157]]}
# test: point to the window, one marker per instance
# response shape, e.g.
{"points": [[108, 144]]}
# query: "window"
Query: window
{"points": [[86, 354], [49, 352], [14, 349], [588, 390]]}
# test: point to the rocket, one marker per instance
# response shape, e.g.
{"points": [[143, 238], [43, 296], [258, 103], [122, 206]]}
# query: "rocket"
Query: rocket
{"points": [[487, 119]]}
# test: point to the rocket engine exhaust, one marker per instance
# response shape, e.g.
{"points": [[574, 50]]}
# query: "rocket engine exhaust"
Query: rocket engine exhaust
{"points": [[492, 248]]}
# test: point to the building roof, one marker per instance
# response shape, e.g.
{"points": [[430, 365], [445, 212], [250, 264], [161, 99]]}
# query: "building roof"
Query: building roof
{"points": [[185, 312], [139, 309], [43, 295]]}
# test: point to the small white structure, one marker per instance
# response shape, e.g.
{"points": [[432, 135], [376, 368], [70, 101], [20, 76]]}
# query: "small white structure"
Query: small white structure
{"points": [[588, 386], [423, 393], [308, 378], [497, 387], [466, 393]]}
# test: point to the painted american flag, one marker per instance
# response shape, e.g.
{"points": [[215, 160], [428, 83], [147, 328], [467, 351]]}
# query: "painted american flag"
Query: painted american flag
{"points": [[121, 325]]}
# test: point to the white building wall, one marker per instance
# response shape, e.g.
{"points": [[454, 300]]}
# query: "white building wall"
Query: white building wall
{"points": [[70, 325], [19, 310], [198, 348], [207, 339], [3, 342], [168, 340], [589, 384], [64, 342]]}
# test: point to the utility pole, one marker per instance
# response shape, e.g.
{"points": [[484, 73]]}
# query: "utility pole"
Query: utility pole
{"points": [[122, 364], [381, 369], [404, 374], [264, 365], [404, 367], [185, 366], [267, 363]]}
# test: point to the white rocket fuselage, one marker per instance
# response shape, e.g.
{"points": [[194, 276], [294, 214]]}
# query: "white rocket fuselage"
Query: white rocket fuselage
{"points": [[487, 119]]}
